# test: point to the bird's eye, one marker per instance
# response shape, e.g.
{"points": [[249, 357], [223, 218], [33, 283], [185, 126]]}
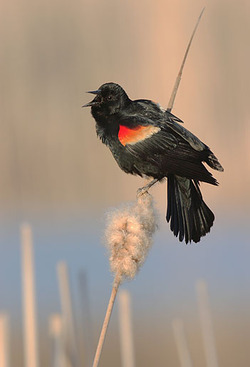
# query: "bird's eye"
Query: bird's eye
{"points": [[109, 98]]}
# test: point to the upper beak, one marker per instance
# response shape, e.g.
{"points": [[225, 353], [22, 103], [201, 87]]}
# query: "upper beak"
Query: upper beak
{"points": [[92, 103], [94, 91]]}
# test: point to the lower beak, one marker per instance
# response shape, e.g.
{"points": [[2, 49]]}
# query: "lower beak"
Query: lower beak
{"points": [[90, 104]]}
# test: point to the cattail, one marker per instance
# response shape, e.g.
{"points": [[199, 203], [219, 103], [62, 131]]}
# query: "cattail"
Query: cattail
{"points": [[129, 236], [129, 231]]}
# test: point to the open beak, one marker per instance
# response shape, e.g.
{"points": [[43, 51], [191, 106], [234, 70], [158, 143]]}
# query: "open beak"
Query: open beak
{"points": [[92, 103]]}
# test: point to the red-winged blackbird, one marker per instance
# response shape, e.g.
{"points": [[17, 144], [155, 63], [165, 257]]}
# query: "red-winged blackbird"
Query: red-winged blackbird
{"points": [[146, 140]]}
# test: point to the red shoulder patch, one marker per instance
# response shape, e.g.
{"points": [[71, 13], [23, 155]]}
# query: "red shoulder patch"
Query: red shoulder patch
{"points": [[139, 133]]}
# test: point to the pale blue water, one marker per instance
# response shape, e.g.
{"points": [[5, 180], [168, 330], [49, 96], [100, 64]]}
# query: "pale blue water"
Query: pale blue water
{"points": [[169, 274]]}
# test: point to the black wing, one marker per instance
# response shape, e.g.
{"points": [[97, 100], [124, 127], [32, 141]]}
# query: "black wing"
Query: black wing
{"points": [[195, 142], [172, 136], [166, 151]]}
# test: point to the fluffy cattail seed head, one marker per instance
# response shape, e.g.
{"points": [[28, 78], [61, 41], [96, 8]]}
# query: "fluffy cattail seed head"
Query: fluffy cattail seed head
{"points": [[129, 235]]}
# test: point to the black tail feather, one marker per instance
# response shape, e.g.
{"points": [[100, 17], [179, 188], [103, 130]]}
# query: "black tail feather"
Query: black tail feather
{"points": [[189, 216]]}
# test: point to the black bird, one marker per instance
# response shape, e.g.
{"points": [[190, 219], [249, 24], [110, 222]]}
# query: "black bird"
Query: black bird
{"points": [[147, 140]]}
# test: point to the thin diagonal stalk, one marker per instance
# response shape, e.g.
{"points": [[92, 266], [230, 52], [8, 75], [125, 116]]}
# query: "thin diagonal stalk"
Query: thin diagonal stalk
{"points": [[116, 284], [178, 79]]}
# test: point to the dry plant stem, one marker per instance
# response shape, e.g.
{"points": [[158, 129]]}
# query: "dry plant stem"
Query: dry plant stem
{"points": [[117, 282], [206, 324], [178, 79], [181, 343]]}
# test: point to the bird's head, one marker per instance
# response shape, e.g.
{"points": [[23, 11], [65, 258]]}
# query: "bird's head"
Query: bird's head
{"points": [[109, 99]]}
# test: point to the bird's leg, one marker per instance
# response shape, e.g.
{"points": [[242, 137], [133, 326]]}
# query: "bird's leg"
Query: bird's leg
{"points": [[145, 188]]}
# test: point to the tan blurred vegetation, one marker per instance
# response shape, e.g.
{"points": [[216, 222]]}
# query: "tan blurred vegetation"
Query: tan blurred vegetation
{"points": [[51, 52]]}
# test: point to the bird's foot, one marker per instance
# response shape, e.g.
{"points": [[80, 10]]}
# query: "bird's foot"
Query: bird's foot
{"points": [[143, 190]]}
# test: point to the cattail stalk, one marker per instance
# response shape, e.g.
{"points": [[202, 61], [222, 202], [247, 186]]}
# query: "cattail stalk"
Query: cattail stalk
{"points": [[4, 341], [116, 284], [181, 343], [56, 332], [86, 317], [29, 306], [69, 332], [178, 79], [206, 324], [126, 336]]}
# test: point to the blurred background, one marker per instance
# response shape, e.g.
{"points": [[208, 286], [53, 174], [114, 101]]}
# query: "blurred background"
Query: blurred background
{"points": [[57, 176]]}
